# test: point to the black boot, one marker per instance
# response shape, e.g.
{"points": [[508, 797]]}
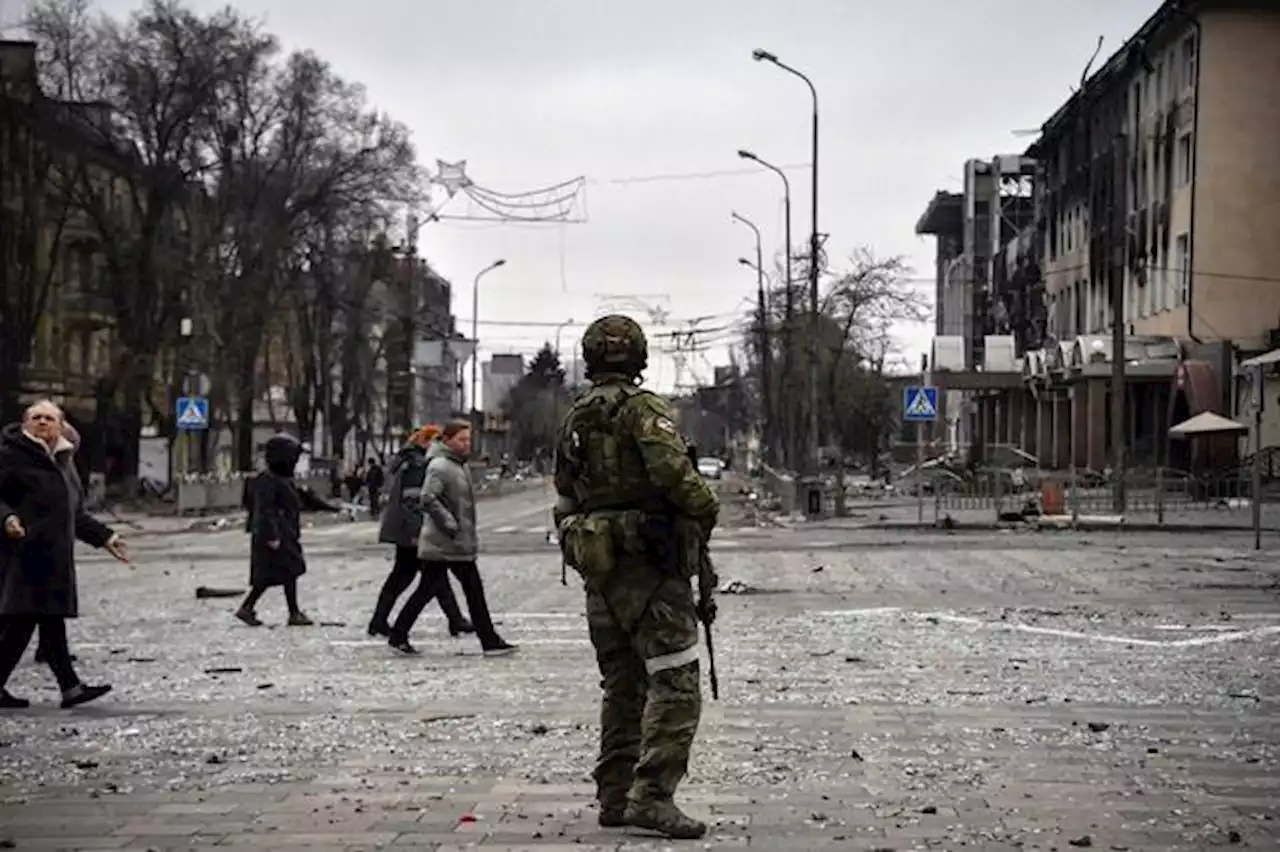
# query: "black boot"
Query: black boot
{"points": [[464, 626], [401, 645], [81, 694]]}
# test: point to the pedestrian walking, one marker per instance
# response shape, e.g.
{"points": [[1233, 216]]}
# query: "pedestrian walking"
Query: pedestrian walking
{"points": [[42, 514], [374, 480], [625, 492], [401, 524], [275, 522], [43, 652], [355, 483], [449, 541]]}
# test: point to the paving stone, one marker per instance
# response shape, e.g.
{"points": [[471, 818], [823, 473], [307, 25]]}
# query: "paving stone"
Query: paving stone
{"points": [[851, 704]]}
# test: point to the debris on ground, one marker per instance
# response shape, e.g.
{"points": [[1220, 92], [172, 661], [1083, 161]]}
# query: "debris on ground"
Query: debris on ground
{"points": [[736, 587], [205, 592]]}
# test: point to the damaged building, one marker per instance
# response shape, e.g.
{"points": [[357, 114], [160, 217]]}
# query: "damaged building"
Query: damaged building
{"points": [[1157, 177]]}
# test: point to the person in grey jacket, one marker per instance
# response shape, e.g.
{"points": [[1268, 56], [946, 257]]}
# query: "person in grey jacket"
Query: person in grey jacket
{"points": [[401, 524], [449, 540]]}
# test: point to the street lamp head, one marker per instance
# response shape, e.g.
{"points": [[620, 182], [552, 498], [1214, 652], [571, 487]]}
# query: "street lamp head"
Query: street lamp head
{"points": [[500, 262], [747, 155], [763, 56], [746, 262]]}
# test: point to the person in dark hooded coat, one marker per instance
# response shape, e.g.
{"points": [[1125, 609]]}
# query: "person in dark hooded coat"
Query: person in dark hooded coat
{"points": [[275, 505]]}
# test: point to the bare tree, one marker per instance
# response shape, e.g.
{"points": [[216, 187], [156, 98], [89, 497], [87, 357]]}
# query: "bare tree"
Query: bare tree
{"points": [[138, 90], [233, 186], [33, 217], [296, 146], [859, 309]]}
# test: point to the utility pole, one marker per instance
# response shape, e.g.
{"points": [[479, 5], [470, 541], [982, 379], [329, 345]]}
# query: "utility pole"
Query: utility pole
{"points": [[766, 348], [812, 456], [793, 453], [477, 418]]}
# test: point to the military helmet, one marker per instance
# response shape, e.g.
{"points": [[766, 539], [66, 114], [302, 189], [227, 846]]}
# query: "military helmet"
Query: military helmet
{"points": [[615, 344]]}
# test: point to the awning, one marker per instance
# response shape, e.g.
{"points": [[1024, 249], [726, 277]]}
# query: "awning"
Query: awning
{"points": [[1272, 357], [1207, 423]]}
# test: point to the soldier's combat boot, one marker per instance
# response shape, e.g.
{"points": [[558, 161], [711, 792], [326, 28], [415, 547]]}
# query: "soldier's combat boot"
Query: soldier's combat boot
{"points": [[613, 814], [665, 818]]}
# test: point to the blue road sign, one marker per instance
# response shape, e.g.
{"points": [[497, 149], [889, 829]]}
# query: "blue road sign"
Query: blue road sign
{"points": [[919, 404], [193, 413]]}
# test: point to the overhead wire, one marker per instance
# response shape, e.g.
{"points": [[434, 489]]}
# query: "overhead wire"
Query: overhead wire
{"points": [[687, 176]]}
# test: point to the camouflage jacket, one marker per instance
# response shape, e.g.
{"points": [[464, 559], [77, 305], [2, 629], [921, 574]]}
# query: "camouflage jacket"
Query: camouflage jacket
{"points": [[619, 449]]}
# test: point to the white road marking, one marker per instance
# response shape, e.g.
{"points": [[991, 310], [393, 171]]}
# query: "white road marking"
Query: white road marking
{"points": [[1193, 642], [858, 613]]}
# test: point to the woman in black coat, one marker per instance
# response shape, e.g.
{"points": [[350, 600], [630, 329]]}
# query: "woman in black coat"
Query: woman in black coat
{"points": [[275, 504], [42, 514]]}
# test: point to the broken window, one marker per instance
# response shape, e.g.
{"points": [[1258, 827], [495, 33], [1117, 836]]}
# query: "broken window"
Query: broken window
{"points": [[1182, 257], [1186, 159], [1189, 62]]}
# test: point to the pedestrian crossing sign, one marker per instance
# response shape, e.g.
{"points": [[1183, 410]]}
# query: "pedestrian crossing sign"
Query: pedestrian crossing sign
{"points": [[193, 413], [920, 404]]}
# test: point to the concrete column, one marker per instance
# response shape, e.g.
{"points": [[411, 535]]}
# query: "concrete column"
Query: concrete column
{"points": [[987, 435], [1014, 425], [1031, 425], [1096, 425], [1045, 411], [1079, 424], [996, 420]]}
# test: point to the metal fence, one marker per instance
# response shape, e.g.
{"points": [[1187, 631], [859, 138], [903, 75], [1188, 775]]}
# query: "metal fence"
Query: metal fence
{"points": [[1160, 497]]}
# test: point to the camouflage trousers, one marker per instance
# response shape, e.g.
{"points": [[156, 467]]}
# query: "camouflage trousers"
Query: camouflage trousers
{"points": [[646, 640]]}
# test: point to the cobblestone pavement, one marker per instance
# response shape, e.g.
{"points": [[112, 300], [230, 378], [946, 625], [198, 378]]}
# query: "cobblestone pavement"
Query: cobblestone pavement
{"points": [[881, 690]]}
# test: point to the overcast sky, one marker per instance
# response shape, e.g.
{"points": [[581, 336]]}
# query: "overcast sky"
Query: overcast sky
{"points": [[535, 92]]}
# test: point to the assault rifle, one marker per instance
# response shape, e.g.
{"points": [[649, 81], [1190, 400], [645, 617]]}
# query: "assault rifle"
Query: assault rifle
{"points": [[706, 602]]}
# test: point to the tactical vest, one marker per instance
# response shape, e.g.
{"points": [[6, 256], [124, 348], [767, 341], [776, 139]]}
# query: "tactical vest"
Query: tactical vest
{"points": [[608, 470]]}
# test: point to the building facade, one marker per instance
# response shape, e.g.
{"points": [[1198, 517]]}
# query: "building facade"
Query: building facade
{"points": [[1153, 193]]}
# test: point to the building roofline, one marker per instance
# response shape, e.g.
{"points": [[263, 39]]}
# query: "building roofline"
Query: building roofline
{"points": [[1168, 11], [929, 222]]}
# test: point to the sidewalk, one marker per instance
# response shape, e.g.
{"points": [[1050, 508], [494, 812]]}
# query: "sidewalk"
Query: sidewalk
{"points": [[135, 524]]}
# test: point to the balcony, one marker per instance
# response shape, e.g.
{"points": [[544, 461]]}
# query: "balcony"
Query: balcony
{"points": [[82, 310], [48, 381]]}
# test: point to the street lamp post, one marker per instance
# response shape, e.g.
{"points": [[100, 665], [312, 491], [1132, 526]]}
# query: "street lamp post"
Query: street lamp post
{"points": [[475, 350], [789, 443], [814, 247], [766, 355], [556, 400]]}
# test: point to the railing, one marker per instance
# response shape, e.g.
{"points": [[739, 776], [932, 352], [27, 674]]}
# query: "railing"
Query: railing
{"points": [[219, 494], [1160, 497]]}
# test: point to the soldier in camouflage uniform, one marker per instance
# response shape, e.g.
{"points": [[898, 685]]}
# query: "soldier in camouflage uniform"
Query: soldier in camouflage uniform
{"points": [[631, 512]]}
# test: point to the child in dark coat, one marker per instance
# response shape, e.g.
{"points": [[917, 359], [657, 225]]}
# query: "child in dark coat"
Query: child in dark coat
{"points": [[275, 504]]}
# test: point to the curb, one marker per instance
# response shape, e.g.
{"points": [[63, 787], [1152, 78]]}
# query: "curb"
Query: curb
{"points": [[236, 519], [992, 526]]}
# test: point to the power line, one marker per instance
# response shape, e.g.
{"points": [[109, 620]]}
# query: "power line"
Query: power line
{"points": [[670, 323], [686, 176]]}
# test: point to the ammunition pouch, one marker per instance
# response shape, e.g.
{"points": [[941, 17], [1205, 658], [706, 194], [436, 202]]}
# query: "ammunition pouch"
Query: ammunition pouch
{"points": [[587, 543]]}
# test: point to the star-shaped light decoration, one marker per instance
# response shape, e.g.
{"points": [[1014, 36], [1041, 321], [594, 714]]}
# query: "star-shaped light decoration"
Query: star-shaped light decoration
{"points": [[452, 176]]}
